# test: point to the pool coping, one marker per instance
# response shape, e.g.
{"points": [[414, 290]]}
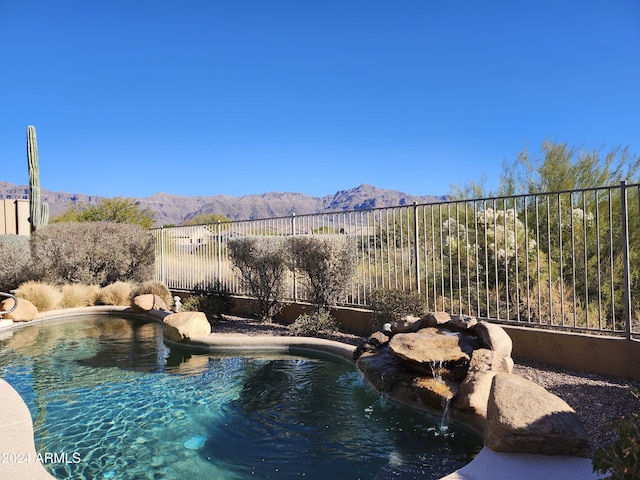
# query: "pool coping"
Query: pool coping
{"points": [[16, 426]]}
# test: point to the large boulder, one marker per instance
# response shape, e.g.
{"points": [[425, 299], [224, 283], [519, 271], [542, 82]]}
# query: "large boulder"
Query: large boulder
{"points": [[186, 325], [148, 302], [474, 391], [24, 312], [523, 417], [494, 337]]}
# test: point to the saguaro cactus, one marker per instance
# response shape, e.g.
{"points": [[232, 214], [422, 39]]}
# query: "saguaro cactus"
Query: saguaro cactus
{"points": [[39, 213]]}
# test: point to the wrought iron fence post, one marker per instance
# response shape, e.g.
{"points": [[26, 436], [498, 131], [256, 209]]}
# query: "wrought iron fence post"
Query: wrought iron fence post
{"points": [[416, 253], [162, 270], [625, 259], [295, 277], [219, 251]]}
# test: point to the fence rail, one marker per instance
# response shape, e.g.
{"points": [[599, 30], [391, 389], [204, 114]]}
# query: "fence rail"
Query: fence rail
{"points": [[563, 260]]}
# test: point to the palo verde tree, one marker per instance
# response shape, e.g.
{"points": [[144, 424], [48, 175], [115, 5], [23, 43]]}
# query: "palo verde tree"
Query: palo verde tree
{"points": [[575, 231]]}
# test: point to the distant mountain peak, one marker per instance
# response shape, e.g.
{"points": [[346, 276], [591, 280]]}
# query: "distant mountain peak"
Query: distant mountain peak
{"points": [[169, 208]]}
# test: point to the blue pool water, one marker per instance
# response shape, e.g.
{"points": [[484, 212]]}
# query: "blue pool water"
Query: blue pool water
{"points": [[110, 400]]}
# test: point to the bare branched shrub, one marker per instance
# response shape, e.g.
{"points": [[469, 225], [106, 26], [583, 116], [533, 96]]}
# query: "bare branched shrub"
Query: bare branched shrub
{"points": [[14, 261], [93, 253], [79, 295], [155, 287], [261, 262], [327, 264], [118, 293], [45, 296]]}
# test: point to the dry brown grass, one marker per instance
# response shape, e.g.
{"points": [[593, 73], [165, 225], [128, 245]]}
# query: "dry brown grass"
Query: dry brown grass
{"points": [[79, 295], [118, 293], [45, 296]]}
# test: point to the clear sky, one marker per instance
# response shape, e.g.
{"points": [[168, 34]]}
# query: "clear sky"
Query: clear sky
{"points": [[134, 97]]}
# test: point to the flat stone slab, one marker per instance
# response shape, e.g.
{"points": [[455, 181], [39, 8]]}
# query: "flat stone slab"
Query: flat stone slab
{"points": [[431, 347]]}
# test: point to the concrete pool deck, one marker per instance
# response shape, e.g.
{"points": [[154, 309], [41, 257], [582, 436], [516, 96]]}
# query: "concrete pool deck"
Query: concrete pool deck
{"points": [[19, 459]]}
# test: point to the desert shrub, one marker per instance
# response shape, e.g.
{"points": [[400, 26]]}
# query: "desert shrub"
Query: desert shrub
{"points": [[310, 325], [118, 293], [191, 304], [211, 299], [262, 265], [93, 253], [45, 296], [327, 264], [393, 304], [622, 458], [15, 258], [155, 287], [78, 295]]}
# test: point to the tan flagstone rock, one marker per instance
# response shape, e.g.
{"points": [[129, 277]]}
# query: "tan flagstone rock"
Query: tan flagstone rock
{"points": [[183, 326], [494, 337], [523, 417], [474, 391], [148, 302], [24, 312]]}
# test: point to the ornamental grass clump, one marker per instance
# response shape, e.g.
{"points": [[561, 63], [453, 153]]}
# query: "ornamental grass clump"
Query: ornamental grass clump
{"points": [[76, 295], [118, 293], [43, 295]]}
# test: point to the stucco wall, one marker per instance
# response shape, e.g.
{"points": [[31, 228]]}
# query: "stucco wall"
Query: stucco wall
{"points": [[590, 353]]}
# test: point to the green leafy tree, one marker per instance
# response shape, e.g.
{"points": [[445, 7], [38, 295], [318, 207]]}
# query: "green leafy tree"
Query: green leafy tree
{"points": [[113, 210]]}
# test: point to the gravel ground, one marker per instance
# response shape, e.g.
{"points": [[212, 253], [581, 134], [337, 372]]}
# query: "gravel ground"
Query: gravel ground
{"points": [[596, 398]]}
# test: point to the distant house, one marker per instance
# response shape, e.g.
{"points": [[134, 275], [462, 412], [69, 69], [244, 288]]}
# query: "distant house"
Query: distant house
{"points": [[189, 239]]}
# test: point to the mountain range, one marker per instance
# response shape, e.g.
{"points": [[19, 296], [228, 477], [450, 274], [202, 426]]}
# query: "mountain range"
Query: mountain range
{"points": [[171, 209]]}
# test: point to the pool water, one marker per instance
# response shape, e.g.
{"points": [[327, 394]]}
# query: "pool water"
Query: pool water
{"points": [[110, 400]]}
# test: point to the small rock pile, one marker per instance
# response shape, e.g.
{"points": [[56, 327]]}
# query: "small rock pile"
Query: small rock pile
{"points": [[454, 362]]}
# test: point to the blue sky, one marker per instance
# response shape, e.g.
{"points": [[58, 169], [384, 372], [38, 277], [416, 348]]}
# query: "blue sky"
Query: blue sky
{"points": [[130, 98]]}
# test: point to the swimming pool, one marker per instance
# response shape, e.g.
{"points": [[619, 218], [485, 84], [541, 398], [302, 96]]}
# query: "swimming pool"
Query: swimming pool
{"points": [[110, 400]]}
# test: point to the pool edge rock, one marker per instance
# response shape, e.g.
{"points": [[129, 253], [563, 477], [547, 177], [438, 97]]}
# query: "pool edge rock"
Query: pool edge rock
{"points": [[553, 428]]}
